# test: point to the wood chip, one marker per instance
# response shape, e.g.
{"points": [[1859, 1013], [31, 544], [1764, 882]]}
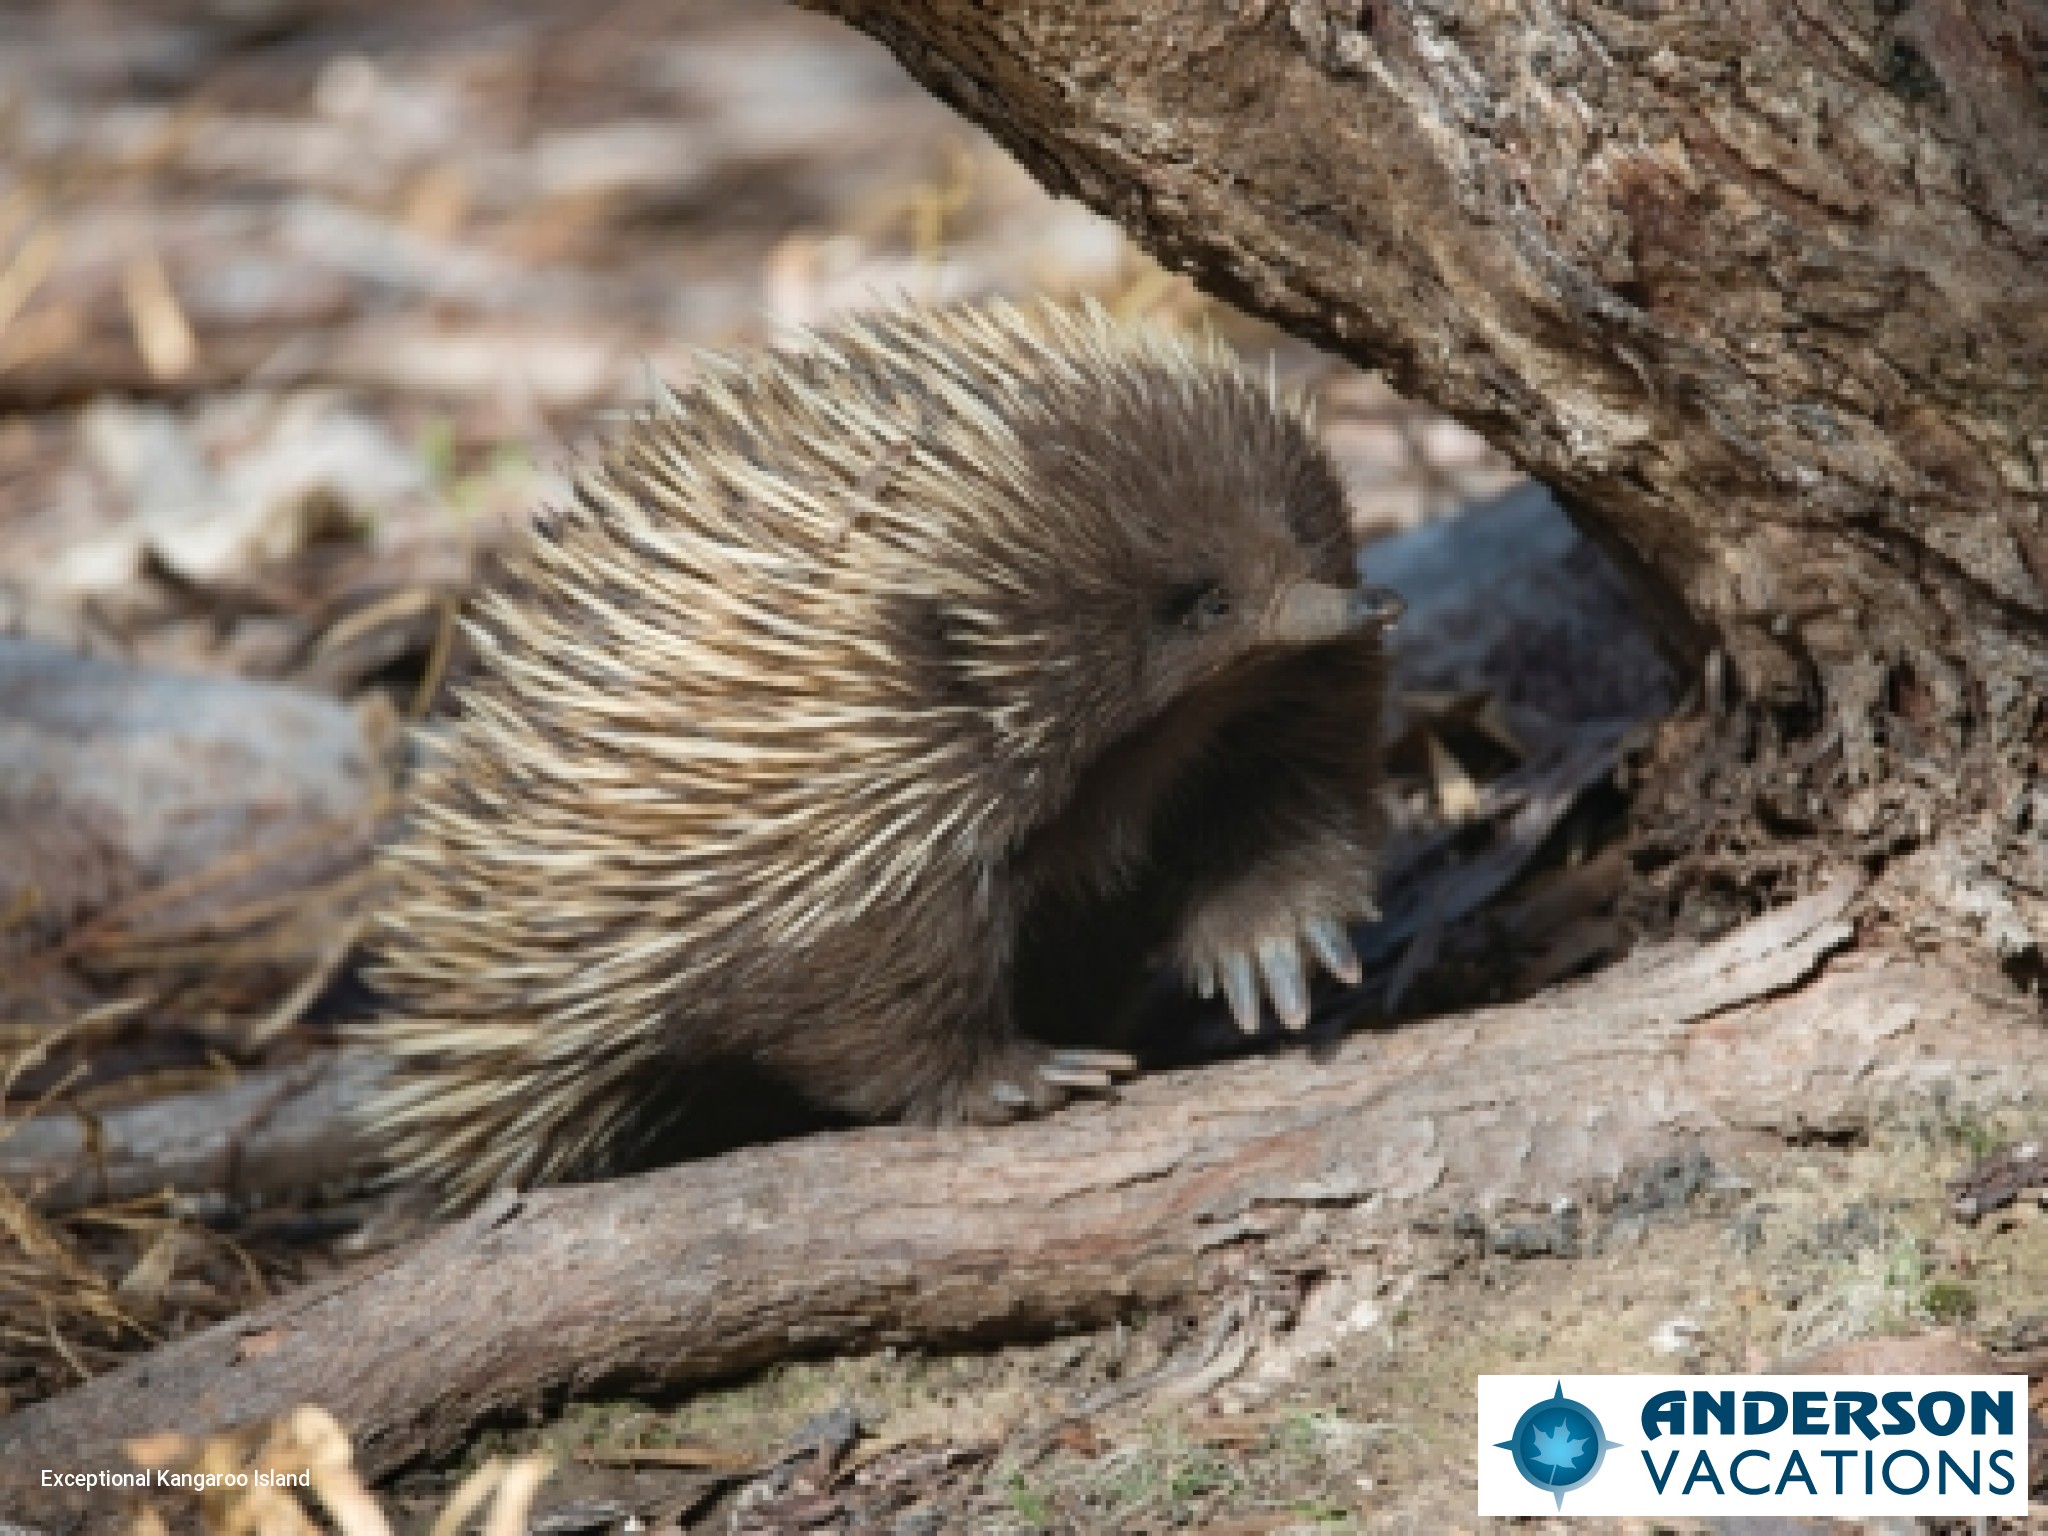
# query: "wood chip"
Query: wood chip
{"points": [[24, 274], [1235, 1430], [692, 1458], [162, 333], [258, 1346], [1457, 797]]}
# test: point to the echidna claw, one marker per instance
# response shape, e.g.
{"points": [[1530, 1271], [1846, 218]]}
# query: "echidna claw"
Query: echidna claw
{"points": [[1010, 1096], [1077, 1080], [1115, 1063], [1326, 936], [1241, 990], [1280, 961]]}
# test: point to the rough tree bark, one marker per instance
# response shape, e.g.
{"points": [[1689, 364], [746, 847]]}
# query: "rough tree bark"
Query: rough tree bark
{"points": [[1761, 288]]}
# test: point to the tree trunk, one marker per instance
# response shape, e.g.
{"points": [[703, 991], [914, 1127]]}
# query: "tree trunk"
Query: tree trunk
{"points": [[1761, 289]]}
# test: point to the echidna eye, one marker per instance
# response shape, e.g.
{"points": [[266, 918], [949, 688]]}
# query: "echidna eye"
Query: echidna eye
{"points": [[1199, 606]]}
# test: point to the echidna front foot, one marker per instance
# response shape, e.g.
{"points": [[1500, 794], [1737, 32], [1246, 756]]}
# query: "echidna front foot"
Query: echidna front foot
{"points": [[1260, 940]]}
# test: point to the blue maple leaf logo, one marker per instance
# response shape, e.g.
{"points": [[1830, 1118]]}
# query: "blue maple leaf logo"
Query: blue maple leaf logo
{"points": [[1551, 1458], [1557, 1449]]}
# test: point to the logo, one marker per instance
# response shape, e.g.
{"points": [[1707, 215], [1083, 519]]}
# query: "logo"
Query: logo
{"points": [[1558, 1444], [1698, 1447]]}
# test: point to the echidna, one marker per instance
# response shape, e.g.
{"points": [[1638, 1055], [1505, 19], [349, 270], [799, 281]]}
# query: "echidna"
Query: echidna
{"points": [[874, 716]]}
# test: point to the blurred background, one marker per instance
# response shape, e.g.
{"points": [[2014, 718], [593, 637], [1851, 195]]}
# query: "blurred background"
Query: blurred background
{"points": [[281, 278]]}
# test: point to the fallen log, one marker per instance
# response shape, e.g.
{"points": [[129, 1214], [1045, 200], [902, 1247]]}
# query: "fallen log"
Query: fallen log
{"points": [[273, 1131], [934, 1238], [140, 805]]}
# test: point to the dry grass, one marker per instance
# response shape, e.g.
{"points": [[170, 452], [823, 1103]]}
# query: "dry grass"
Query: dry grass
{"points": [[81, 1291], [59, 1316]]}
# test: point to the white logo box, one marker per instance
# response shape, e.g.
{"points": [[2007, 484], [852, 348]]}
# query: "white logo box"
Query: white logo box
{"points": [[1861, 1451]]}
